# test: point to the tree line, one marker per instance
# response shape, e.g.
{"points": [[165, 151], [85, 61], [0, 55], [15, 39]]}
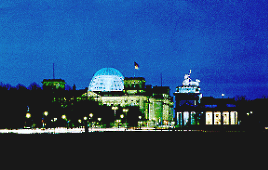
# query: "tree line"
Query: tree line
{"points": [[17, 101]]}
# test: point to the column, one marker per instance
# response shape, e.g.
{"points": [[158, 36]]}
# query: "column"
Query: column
{"points": [[212, 114], [229, 118], [221, 118], [182, 119]]}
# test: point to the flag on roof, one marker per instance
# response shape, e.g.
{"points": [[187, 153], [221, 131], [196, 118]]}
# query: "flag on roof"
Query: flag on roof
{"points": [[136, 65]]}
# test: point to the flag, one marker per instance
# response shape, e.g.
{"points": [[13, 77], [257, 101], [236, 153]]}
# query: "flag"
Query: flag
{"points": [[136, 65]]}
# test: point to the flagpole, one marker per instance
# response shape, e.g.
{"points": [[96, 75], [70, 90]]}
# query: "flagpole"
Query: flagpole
{"points": [[136, 67], [161, 79]]}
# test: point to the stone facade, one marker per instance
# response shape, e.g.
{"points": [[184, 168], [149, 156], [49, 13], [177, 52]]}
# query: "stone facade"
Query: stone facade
{"points": [[155, 103]]}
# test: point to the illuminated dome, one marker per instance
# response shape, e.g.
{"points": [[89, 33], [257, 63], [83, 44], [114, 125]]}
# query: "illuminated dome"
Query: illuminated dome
{"points": [[107, 79]]}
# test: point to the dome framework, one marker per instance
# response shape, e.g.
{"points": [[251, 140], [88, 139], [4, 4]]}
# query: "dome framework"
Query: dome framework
{"points": [[107, 79]]}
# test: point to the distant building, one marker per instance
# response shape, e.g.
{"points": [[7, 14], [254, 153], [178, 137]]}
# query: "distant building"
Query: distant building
{"points": [[219, 111], [53, 84], [193, 109], [108, 86], [187, 102]]}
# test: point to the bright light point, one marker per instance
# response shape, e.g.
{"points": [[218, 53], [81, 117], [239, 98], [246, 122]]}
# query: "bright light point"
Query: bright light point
{"points": [[91, 114], [45, 113], [85, 118], [28, 115], [114, 108], [63, 116]]}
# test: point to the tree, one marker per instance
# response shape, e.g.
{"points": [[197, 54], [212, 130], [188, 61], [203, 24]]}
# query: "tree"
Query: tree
{"points": [[133, 116], [34, 86], [8, 87], [67, 87], [21, 87]]}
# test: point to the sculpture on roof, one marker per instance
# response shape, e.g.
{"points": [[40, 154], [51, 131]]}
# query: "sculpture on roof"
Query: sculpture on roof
{"points": [[188, 81]]}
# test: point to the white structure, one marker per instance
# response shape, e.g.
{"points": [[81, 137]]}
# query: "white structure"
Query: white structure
{"points": [[188, 82], [189, 86], [107, 79]]}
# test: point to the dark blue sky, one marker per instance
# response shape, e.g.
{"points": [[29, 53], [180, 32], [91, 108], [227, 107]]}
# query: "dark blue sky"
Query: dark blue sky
{"points": [[224, 43]]}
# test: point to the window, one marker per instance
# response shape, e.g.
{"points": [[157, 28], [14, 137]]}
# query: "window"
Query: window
{"points": [[186, 117], [209, 118], [217, 118], [193, 118], [233, 118], [225, 118]]}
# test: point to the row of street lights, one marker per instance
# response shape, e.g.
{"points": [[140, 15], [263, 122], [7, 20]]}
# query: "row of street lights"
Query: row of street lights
{"points": [[45, 114], [64, 117]]}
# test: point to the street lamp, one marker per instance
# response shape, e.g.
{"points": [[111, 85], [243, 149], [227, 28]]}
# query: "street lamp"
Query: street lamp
{"points": [[118, 121], [28, 115], [43, 121], [99, 119], [54, 120], [125, 110], [114, 108], [86, 128], [45, 113], [91, 115], [122, 116], [64, 117], [140, 121]]}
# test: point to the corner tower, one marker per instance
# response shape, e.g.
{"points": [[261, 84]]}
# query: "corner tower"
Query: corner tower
{"points": [[187, 99]]}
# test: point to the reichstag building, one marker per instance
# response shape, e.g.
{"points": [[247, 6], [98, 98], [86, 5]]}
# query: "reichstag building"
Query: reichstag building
{"points": [[108, 86]]}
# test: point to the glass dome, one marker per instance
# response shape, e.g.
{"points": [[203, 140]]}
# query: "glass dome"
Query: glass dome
{"points": [[107, 79]]}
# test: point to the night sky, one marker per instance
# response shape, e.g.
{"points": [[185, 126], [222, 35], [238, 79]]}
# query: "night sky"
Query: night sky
{"points": [[224, 43]]}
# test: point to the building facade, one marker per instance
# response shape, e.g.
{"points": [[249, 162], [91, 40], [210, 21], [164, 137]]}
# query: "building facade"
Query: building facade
{"points": [[155, 103], [219, 111], [187, 102], [193, 109], [53, 84]]}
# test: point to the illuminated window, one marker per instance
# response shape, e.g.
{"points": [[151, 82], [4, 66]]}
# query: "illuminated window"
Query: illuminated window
{"points": [[225, 118], [209, 118], [217, 118], [179, 118], [185, 117], [192, 118], [233, 118]]}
